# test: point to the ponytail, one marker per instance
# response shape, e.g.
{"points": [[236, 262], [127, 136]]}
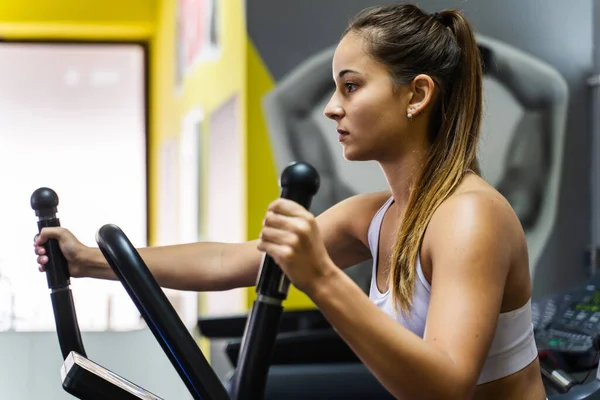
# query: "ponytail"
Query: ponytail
{"points": [[452, 154]]}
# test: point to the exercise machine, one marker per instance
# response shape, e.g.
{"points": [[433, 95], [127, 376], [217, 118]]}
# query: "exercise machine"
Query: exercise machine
{"points": [[310, 360], [85, 379], [260, 364]]}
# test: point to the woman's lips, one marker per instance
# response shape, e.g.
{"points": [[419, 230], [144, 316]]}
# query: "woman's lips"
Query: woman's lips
{"points": [[342, 134]]}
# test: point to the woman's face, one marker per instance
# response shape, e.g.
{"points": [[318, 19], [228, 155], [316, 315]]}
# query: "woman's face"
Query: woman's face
{"points": [[371, 114]]}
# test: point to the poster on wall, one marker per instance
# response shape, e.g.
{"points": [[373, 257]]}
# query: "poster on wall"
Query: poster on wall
{"points": [[225, 197], [190, 177], [167, 201], [197, 37], [177, 201]]}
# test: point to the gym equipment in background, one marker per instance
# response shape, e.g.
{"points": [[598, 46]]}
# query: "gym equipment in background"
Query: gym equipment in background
{"points": [[521, 147]]}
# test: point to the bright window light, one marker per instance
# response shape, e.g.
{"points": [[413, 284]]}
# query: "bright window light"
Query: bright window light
{"points": [[72, 119]]}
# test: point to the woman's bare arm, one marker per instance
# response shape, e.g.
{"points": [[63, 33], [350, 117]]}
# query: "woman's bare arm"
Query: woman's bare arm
{"points": [[213, 266], [203, 266]]}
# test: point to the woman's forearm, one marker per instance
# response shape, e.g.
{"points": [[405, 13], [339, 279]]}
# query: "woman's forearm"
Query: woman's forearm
{"points": [[203, 266]]}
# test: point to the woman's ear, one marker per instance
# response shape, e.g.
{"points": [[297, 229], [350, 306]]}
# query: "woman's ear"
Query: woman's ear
{"points": [[422, 88]]}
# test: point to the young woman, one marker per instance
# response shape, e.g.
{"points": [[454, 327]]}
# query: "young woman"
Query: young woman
{"points": [[449, 314]]}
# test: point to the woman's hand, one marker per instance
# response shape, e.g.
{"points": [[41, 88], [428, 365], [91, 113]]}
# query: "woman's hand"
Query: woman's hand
{"points": [[72, 249], [291, 236]]}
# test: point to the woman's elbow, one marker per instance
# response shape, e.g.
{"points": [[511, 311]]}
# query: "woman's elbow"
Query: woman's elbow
{"points": [[464, 389], [454, 388]]}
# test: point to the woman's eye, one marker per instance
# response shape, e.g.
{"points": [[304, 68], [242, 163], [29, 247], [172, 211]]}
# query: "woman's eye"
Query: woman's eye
{"points": [[351, 87]]}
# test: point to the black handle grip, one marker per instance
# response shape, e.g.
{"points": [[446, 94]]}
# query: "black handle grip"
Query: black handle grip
{"points": [[299, 182], [45, 202]]}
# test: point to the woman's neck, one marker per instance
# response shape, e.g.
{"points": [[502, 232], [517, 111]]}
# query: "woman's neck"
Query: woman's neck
{"points": [[401, 175]]}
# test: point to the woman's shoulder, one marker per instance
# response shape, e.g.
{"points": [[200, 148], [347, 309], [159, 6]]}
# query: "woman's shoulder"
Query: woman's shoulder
{"points": [[354, 214], [475, 200], [368, 204], [477, 210], [473, 232], [364, 203]]}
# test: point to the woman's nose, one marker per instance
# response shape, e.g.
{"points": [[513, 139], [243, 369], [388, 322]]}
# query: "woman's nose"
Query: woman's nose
{"points": [[333, 109]]}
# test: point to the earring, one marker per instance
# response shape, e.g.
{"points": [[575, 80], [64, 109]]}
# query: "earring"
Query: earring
{"points": [[410, 113]]}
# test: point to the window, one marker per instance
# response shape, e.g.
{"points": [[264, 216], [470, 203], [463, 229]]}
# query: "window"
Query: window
{"points": [[72, 118]]}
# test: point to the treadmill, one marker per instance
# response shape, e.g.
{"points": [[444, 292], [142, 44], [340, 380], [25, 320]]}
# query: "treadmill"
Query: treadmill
{"points": [[87, 380]]}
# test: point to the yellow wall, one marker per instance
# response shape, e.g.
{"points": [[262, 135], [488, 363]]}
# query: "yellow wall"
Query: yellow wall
{"points": [[239, 70], [79, 11], [262, 175], [208, 85], [78, 19]]}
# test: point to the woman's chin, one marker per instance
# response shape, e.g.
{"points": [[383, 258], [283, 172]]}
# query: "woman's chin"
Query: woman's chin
{"points": [[354, 156]]}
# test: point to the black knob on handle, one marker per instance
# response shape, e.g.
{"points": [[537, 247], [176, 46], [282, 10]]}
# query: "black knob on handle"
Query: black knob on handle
{"points": [[299, 182], [45, 202]]}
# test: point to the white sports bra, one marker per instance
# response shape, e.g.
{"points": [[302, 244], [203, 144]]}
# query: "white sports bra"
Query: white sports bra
{"points": [[513, 347]]}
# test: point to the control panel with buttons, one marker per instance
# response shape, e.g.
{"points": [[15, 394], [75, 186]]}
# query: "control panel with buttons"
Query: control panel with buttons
{"points": [[569, 322]]}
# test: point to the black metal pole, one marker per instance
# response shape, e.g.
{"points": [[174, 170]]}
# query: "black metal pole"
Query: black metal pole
{"points": [[162, 319], [299, 182], [45, 201]]}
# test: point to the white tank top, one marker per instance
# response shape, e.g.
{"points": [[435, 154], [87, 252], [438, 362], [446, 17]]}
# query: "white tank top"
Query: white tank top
{"points": [[513, 347]]}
